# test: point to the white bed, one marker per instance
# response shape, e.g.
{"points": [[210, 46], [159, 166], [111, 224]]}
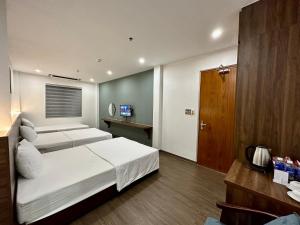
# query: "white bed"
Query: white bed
{"points": [[64, 181], [47, 142], [60, 127], [72, 175], [86, 136], [131, 159]]}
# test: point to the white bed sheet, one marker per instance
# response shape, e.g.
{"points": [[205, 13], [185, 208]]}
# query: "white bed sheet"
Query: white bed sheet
{"points": [[86, 136], [64, 181], [60, 127], [49, 142], [132, 160]]}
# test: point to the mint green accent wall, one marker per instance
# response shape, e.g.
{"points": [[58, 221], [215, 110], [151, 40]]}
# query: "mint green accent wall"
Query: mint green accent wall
{"points": [[135, 90]]}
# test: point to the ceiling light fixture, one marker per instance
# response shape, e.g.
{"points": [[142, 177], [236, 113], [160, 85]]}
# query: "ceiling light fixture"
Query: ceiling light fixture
{"points": [[37, 70], [109, 72], [141, 60], [216, 33], [92, 80]]}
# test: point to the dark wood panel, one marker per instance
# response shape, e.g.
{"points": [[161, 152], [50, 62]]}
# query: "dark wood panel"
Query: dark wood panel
{"points": [[268, 81], [5, 194], [217, 109], [252, 189], [8, 142], [147, 128], [127, 123]]}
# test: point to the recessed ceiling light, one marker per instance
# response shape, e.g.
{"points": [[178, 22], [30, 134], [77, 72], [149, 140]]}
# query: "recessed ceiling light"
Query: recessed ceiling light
{"points": [[37, 70], [109, 72], [92, 80], [216, 33], [141, 60]]}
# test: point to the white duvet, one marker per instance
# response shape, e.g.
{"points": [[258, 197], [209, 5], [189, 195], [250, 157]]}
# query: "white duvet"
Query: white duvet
{"points": [[130, 159]]}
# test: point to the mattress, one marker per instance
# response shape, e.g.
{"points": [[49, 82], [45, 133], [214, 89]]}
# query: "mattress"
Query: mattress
{"points": [[60, 127], [86, 136], [64, 181], [132, 160], [48, 142]]}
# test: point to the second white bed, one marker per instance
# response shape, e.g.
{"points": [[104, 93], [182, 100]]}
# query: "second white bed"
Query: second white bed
{"points": [[131, 159], [47, 142], [60, 127]]}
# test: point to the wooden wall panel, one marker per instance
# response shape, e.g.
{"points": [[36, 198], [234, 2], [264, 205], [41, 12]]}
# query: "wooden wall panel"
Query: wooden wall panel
{"points": [[8, 143], [268, 79], [6, 208]]}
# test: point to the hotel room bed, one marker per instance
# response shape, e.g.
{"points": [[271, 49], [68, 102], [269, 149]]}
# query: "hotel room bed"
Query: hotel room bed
{"points": [[67, 180], [131, 159], [60, 127], [64, 181], [47, 142]]}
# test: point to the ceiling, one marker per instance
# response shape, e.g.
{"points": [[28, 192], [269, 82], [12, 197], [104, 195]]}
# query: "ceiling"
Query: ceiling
{"points": [[63, 36]]}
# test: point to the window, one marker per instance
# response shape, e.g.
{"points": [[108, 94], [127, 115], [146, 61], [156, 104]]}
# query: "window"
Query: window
{"points": [[63, 101]]}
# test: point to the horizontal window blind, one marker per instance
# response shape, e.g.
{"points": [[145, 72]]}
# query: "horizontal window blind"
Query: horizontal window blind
{"points": [[63, 101]]}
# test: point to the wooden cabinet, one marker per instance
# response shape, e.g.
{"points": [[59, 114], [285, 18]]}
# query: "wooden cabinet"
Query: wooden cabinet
{"points": [[252, 189]]}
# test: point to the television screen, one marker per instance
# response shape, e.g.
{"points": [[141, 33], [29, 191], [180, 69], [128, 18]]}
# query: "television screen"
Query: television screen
{"points": [[126, 110]]}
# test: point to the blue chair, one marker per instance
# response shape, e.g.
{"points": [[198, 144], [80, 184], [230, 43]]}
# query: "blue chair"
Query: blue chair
{"points": [[265, 218]]}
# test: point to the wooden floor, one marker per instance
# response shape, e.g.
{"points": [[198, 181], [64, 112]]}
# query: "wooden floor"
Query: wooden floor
{"points": [[180, 193]]}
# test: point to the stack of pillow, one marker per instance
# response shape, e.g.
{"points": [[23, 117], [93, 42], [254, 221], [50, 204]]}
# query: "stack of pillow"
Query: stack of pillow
{"points": [[29, 161], [27, 130]]}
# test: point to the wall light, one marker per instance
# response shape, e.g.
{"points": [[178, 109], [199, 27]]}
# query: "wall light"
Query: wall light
{"points": [[216, 33], [142, 60]]}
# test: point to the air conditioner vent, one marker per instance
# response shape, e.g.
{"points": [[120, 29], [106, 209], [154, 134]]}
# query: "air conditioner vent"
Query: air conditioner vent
{"points": [[63, 77]]}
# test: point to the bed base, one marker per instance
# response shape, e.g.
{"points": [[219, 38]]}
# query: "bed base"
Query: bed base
{"points": [[74, 212]]}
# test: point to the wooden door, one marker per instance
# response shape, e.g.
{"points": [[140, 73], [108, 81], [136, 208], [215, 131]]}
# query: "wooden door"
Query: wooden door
{"points": [[216, 120]]}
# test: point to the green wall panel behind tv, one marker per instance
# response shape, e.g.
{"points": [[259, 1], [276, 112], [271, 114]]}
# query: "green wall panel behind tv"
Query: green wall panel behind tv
{"points": [[135, 90]]}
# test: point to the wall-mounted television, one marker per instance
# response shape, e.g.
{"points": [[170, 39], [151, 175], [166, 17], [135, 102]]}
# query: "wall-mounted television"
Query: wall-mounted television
{"points": [[126, 110]]}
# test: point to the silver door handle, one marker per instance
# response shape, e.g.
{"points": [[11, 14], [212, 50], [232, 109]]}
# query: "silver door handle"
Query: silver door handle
{"points": [[202, 125]]}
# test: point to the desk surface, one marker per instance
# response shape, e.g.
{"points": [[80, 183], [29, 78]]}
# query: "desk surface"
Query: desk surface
{"points": [[127, 123], [242, 177]]}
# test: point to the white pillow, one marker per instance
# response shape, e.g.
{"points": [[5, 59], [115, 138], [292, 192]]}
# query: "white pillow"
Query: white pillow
{"points": [[29, 160], [27, 123], [28, 133]]}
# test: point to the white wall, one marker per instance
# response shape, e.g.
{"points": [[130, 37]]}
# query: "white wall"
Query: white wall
{"points": [[181, 90], [32, 98], [15, 95], [157, 106], [5, 104]]}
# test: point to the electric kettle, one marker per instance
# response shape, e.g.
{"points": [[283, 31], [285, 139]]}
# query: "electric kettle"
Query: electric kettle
{"points": [[259, 157]]}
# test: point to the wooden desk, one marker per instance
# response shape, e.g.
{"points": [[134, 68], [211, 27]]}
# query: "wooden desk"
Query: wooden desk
{"points": [[147, 128], [252, 189]]}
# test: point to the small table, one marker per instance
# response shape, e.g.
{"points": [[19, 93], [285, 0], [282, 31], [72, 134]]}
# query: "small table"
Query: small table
{"points": [[147, 128], [249, 188]]}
